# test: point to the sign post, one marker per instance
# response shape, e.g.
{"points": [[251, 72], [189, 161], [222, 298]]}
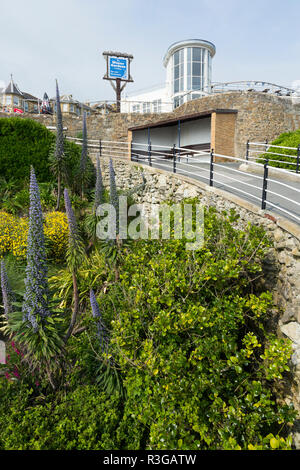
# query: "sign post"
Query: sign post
{"points": [[118, 70]]}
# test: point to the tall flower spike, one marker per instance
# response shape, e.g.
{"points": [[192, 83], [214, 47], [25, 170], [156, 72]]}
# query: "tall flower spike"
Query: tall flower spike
{"points": [[36, 296], [73, 229], [101, 330], [113, 193], [99, 189], [76, 251], [84, 149], [7, 294], [59, 147]]}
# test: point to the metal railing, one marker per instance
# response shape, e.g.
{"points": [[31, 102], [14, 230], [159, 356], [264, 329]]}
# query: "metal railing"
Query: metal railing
{"points": [[276, 155], [253, 85], [273, 192]]}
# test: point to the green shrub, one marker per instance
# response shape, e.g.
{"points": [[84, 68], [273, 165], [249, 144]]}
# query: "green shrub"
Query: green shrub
{"points": [[188, 332], [199, 366], [84, 419], [24, 142], [287, 139]]}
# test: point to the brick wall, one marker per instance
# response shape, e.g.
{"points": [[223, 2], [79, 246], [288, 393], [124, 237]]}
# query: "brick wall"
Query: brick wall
{"points": [[223, 133]]}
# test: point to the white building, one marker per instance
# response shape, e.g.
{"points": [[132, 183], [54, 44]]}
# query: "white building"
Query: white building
{"points": [[188, 76]]}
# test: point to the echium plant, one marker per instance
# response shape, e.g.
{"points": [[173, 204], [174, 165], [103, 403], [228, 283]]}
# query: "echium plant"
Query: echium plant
{"points": [[84, 167], [76, 250], [102, 333], [113, 193], [7, 294], [107, 374], [84, 148], [36, 298], [75, 257], [99, 189], [58, 158]]}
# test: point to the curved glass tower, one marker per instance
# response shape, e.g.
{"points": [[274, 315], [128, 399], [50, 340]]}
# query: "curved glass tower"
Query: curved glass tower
{"points": [[188, 66]]}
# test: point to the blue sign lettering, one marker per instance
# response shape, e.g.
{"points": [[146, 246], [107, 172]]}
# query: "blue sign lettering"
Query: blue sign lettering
{"points": [[118, 68]]}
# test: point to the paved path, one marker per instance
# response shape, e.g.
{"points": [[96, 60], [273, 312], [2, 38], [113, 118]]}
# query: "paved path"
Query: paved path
{"points": [[223, 179]]}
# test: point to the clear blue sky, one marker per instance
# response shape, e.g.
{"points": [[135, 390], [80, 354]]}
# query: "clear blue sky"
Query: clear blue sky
{"points": [[46, 39]]}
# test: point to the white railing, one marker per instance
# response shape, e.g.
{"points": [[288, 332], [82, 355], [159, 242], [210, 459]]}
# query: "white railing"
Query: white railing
{"points": [[153, 106], [270, 191], [276, 155], [253, 85]]}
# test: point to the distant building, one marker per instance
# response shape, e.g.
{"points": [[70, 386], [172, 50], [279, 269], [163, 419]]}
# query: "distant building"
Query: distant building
{"points": [[188, 76], [13, 100], [72, 107]]}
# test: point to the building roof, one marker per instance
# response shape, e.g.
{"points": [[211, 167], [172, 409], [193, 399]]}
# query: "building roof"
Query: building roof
{"points": [[28, 96], [188, 43], [12, 88], [187, 117]]}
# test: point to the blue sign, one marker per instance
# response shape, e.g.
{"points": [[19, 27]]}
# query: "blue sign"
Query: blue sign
{"points": [[118, 68]]}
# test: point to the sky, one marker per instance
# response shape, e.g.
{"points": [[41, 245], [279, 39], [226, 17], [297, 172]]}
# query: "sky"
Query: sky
{"points": [[44, 40]]}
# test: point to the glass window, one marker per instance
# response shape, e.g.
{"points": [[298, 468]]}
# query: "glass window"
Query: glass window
{"points": [[65, 107], [25, 105], [16, 101], [176, 58], [8, 100], [196, 83], [146, 107], [136, 108], [196, 54], [176, 86], [196, 68], [157, 106], [71, 108]]}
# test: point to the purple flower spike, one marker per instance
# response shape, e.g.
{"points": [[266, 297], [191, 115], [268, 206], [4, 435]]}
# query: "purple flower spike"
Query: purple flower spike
{"points": [[84, 149], [36, 296], [101, 330], [99, 189], [73, 229], [59, 148], [113, 192]]}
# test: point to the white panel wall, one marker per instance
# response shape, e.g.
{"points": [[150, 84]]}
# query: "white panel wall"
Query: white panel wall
{"points": [[195, 132], [192, 133]]}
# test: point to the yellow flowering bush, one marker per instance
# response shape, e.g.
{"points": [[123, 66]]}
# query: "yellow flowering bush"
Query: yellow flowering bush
{"points": [[14, 233], [57, 234], [19, 238], [7, 226]]}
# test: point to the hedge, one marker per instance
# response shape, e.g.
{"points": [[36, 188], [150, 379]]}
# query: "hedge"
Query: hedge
{"points": [[24, 142]]}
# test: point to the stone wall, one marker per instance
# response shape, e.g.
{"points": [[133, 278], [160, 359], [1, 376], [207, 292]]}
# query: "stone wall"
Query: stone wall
{"points": [[259, 116], [281, 265]]}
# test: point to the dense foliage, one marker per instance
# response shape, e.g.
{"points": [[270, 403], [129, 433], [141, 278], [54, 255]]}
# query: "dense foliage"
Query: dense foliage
{"points": [[285, 159], [189, 362], [24, 142]]}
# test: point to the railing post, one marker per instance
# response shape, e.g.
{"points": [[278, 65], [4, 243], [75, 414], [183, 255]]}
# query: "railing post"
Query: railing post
{"points": [[211, 170], [247, 150], [265, 185], [100, 147], [131, 157], [149, 154], [298, 158], [174, 159]]}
